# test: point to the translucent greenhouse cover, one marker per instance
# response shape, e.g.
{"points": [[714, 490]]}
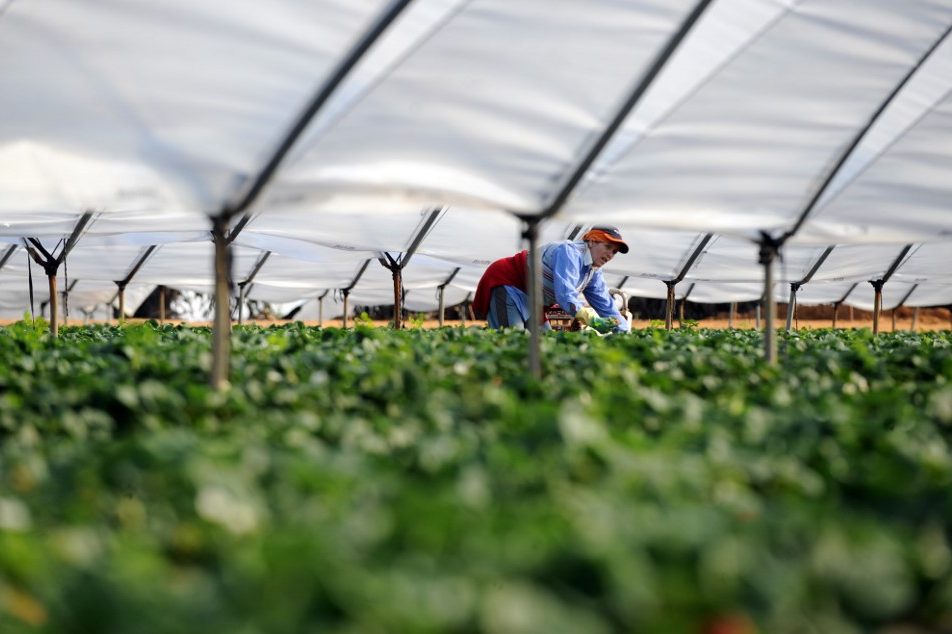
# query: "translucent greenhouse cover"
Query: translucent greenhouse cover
{"points": [[824, 123]]}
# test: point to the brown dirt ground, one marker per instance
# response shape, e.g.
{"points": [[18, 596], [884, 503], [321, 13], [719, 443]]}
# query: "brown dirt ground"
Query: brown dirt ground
{"points": [[807, 317]]}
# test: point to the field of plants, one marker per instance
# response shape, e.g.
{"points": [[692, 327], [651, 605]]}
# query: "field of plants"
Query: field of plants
{"points": [[368, 480]]}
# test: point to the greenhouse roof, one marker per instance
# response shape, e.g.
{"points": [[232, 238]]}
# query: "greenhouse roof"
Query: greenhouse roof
{"points": [[329, 134]]}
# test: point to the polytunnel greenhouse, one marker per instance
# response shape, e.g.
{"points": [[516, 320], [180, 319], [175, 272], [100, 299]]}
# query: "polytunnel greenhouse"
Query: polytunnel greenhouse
{"points": [[324, 476]]}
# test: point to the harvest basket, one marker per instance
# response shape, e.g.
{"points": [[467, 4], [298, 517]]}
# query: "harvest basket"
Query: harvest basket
{"points": [[561, 321]]}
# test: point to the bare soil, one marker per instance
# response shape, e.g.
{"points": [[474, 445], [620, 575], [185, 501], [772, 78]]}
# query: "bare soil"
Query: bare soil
{"points": [[807, 317]]}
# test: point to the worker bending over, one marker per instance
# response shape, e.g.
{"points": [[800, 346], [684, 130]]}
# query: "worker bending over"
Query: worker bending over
{"points": [[571, 270]]}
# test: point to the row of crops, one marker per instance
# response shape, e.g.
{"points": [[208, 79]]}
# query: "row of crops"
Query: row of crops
{"points": [[368, 480]]}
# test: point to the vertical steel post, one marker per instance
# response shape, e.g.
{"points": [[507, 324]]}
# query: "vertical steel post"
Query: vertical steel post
{"points": [[893, 311], [531, 233], [442, 305], [877, 304], [757, 310], [792, 306], [221, 327], [346, 294], [768, 253], [731, 315], [320, 311], [121, 293], [915, 318], [54, 325], [162, 304], [669, 306], [241, 302], [397, 297], [442, 289]]}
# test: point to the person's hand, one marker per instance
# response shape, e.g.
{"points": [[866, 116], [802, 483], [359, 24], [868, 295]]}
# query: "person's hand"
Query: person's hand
{"points": [[586, 314]]}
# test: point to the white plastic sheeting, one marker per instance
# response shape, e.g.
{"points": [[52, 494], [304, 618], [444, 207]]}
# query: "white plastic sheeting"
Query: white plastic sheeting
{"points": [[155, 117]]}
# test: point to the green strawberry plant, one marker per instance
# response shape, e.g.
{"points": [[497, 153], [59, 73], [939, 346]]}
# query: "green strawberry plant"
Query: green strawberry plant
{"points": [[423, 481]]}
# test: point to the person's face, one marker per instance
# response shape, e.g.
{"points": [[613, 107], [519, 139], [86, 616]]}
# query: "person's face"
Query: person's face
{"points": [[602, 252]]}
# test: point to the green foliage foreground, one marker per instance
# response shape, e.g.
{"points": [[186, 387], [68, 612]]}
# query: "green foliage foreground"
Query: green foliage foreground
{"points": [[421, 481]]}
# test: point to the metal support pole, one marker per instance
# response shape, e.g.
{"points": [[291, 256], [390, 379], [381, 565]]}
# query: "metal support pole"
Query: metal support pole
{"points": [[531, 233], [221, 328], [320, 311], [54, 326], [839, 302], [51, 264], [792, 306], [915, 318], [768, 253], [684, 301], [877, 304], [731, 315], [162, 304], [241, 302], [669, 306], [757, 310], [7, 255], [902, 303], [442, 288], [442, 305], [397, 297], [345, 292], [121, 294]]}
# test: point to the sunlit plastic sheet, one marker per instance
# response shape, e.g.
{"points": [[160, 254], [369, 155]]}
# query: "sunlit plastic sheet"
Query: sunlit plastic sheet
{"points": [[460, 121], [895, 187], [472, 237], [720, 292], [189, 98], [152, 117], [85, 299], [297, 235], [926, 263], [458, 235], [136, 228], [745, 147], [931, 295]]}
